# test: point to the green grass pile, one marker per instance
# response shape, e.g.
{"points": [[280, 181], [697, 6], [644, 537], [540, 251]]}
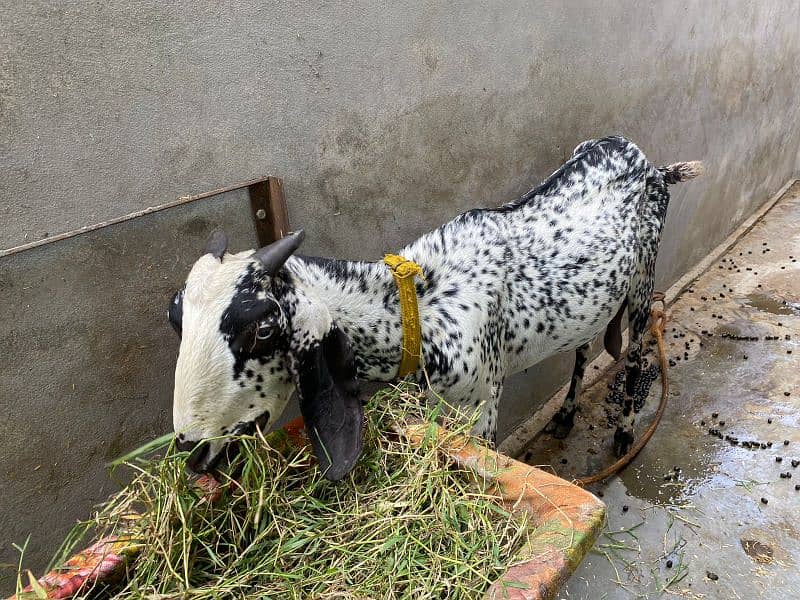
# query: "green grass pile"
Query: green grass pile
{"points": [[406, 523]]}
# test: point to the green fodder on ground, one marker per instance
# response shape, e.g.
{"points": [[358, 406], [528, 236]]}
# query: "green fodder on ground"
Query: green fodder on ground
{"points": [[406, 523]]}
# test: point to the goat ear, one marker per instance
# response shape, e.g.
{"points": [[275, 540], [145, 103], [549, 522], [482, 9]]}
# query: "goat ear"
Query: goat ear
{"points": [[217, 243], [273, 256], [330, 405]]}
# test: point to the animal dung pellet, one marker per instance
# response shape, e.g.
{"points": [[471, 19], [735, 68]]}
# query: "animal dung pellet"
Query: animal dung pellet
{"points": [[625, 508], [795, 462], [778, 459], [785, 442], [714, 415], [797, 487], [712, 576], [764, 501], [669, 564]]}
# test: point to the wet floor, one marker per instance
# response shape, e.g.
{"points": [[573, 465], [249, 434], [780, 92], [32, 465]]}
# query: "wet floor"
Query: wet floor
{"points": [[709, 509]]}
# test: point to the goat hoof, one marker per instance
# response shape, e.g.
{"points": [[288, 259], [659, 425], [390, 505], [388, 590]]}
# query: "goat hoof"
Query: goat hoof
{"points": [[560, 425], [623, 440]]}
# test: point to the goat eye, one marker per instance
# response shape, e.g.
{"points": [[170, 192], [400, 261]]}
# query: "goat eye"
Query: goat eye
{"points": [[264, 332], [175, 311]]}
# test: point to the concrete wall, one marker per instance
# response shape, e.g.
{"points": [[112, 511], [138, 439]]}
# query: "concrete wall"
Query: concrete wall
{"points": [[383, 119]]}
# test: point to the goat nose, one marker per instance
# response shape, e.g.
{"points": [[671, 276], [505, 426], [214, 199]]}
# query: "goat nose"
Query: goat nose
{"points": [[197, 452], [184, 445]]}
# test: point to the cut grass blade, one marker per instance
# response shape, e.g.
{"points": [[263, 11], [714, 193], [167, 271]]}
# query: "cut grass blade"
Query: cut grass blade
{"points": [[150, 447]]}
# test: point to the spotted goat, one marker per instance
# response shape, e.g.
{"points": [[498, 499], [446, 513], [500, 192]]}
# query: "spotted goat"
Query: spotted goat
{"points": [[504, 288]]}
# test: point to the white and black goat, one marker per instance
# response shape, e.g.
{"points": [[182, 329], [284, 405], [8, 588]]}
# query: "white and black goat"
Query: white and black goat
{"points": [[503, 289]]}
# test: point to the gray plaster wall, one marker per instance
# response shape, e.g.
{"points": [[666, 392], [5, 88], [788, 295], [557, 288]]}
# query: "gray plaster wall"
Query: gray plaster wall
{"points": [[384, 119]]}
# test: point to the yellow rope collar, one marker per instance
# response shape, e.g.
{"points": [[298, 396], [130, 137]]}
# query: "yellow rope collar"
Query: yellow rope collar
{"points": [[404, 272]]}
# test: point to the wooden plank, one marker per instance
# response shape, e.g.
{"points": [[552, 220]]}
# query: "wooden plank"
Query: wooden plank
{"points": [[268, 206]]}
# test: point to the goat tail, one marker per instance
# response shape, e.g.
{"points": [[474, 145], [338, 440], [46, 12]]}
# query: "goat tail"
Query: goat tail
{"points": [[682, 171]]}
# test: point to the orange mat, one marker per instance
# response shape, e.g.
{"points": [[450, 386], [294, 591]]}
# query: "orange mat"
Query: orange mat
{"points": [[566, 520]]}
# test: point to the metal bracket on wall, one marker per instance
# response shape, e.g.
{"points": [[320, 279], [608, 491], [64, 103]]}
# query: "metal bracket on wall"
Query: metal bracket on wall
{"points": [[267, 205]]}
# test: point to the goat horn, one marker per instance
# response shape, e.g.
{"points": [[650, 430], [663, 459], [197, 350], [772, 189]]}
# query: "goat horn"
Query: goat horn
{"points": [[273, 256], [217, 243]]}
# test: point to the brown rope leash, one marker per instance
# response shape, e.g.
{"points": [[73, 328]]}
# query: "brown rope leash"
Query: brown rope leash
{"points": [[658, 325]]}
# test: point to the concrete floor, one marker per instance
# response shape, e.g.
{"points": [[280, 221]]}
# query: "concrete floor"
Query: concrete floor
{"points": [[709, 520]]}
